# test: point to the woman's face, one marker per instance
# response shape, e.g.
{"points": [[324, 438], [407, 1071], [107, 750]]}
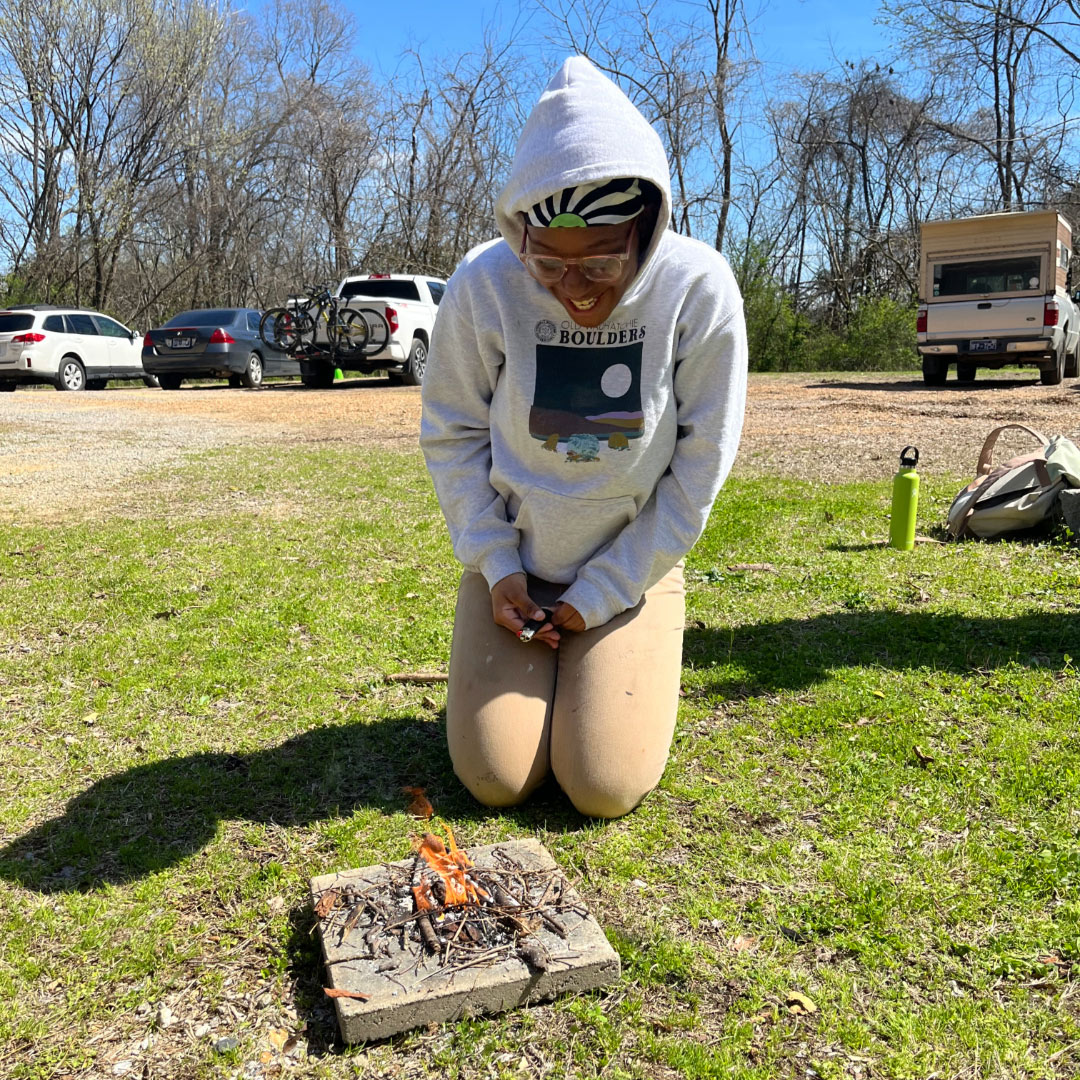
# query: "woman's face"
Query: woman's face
{"points": [[588, 303]]}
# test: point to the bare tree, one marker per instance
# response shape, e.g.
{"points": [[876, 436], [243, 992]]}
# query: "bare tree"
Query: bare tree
{"points": [[684, 75], [997, 79]]}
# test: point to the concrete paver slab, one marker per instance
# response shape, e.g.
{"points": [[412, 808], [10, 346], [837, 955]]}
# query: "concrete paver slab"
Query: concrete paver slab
{"points": [[409, 987]]}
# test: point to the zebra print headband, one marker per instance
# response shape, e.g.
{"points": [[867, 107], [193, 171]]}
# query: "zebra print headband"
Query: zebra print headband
{"points": [[609, 202]]}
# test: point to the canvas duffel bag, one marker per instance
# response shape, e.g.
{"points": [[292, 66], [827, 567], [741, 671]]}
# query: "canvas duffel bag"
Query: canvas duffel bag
{"points": [[1021, 493]]}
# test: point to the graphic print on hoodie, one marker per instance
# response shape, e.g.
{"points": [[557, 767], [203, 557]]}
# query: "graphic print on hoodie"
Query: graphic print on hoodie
{"points": [[587, 396]]}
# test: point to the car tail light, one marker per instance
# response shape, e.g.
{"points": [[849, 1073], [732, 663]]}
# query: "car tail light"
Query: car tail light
{"points": [[1050, 313], [148, 342], [33, 339], [377, 277], [391, 318], [920, 321], [220, 337]]}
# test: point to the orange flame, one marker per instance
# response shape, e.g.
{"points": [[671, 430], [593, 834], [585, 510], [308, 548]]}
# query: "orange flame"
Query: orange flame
{"points": [[450, 863]]}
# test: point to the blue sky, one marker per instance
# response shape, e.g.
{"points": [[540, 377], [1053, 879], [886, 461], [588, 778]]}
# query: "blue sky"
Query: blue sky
{"points": [[800, 34]]}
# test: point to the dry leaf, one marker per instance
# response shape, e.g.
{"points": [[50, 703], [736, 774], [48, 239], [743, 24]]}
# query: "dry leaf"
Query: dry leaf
{"points": [[429, 702], [799, 1003], [878, 693], [744, 943], [266, 1057], [766, 567], [419, 807], [712, 779], [922, 755], [278, 1038], [89, 718], [334, 992], [767, 1015], [326, 903]]}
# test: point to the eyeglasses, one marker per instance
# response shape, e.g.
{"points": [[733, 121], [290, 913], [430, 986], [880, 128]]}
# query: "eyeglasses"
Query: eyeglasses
{"points": [[550, 269]]}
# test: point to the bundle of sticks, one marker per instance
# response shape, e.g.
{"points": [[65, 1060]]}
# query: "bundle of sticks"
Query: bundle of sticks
{"points": [[459, 912]]}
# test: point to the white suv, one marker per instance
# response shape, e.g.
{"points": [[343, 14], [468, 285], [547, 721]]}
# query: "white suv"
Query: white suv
{"points": [[72, 348]]}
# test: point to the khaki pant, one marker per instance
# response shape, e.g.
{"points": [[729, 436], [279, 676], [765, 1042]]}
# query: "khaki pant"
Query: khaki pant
{"points": [[598, 712]]}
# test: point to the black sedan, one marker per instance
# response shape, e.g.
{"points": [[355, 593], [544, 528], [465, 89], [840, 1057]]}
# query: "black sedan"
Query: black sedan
{"points": [[220, 343]]}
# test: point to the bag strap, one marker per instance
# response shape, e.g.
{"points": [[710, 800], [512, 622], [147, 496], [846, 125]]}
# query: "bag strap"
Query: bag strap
{"points": [[986, 454]]}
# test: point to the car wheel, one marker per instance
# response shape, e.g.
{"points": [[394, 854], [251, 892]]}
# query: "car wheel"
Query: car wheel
{"points": [[71, 376], [934, 370], [170, 382], [253, 373], [413, 374], [395, 378], [7, 386], [1053, 376], [151, 381], [1072, 363], [965, 372], [96, 384]]}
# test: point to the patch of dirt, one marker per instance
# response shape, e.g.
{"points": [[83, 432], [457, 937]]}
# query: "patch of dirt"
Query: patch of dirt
{"points": [[832, 428], [64, 453]]}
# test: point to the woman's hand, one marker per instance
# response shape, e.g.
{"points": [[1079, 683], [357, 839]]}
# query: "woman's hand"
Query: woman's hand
{"points": [[511, 607], [567, 616]]}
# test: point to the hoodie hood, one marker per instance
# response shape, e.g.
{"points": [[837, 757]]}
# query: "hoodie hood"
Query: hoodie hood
{"points": [[582, 130]]}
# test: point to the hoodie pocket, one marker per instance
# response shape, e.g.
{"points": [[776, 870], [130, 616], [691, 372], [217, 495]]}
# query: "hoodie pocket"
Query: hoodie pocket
{"points": [[559, 533]]}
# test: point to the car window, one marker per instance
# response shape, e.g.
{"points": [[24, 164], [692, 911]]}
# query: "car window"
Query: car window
{"points": [[82, 324], [436, 288], [11, 321], [110, 327], [253, 321], [210, 317], [55, 323], [389, 290]]}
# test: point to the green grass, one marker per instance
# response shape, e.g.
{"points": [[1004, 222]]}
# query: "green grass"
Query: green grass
{"points": [[872, 798]]}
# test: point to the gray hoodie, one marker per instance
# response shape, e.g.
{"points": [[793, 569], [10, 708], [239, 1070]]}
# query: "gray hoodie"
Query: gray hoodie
{"points": [[588, 457]]}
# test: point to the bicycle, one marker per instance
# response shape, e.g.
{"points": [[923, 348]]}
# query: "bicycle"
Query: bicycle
{"points": [[295, 328]]}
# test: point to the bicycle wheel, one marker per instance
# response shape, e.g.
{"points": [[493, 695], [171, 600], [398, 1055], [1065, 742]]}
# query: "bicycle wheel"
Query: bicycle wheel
{"points": [[349, 331], [285, 328], [378, 330]]}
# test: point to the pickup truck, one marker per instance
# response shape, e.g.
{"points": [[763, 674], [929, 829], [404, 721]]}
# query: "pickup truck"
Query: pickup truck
{"points": [[404, 303], [994, 291]]}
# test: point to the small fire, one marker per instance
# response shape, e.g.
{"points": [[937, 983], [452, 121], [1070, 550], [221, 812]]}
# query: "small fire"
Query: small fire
{"points": [[451, 877]]}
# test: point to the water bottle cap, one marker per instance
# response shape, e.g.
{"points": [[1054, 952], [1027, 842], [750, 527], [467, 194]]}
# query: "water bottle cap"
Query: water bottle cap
{"points": [[909, 461]]}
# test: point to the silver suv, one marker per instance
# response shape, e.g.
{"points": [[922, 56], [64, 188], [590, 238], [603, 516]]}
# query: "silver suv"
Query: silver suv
{"points": [[72, 348]]}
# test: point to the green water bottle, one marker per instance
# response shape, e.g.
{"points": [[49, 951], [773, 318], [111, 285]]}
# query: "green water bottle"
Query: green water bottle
{"points": [[905, 501]]}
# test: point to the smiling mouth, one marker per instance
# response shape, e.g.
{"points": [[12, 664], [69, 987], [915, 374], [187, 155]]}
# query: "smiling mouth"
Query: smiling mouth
{"points": [[584, 305]]}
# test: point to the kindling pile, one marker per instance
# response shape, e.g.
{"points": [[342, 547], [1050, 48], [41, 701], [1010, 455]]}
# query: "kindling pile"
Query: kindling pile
{"points": [[450, 932]]}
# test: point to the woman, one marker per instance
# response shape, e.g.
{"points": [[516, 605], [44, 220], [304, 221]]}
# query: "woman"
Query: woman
{"points": [[582, 405]]}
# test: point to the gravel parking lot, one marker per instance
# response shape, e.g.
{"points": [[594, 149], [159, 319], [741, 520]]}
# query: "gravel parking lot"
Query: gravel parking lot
{"points": [[71, 455]]}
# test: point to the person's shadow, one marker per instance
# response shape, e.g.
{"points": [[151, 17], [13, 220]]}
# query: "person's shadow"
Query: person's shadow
{"points": [[149, 817]]}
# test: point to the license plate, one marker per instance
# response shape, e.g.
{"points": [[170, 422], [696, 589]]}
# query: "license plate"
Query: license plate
{"points": [[987, 344], [180, 342]]}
